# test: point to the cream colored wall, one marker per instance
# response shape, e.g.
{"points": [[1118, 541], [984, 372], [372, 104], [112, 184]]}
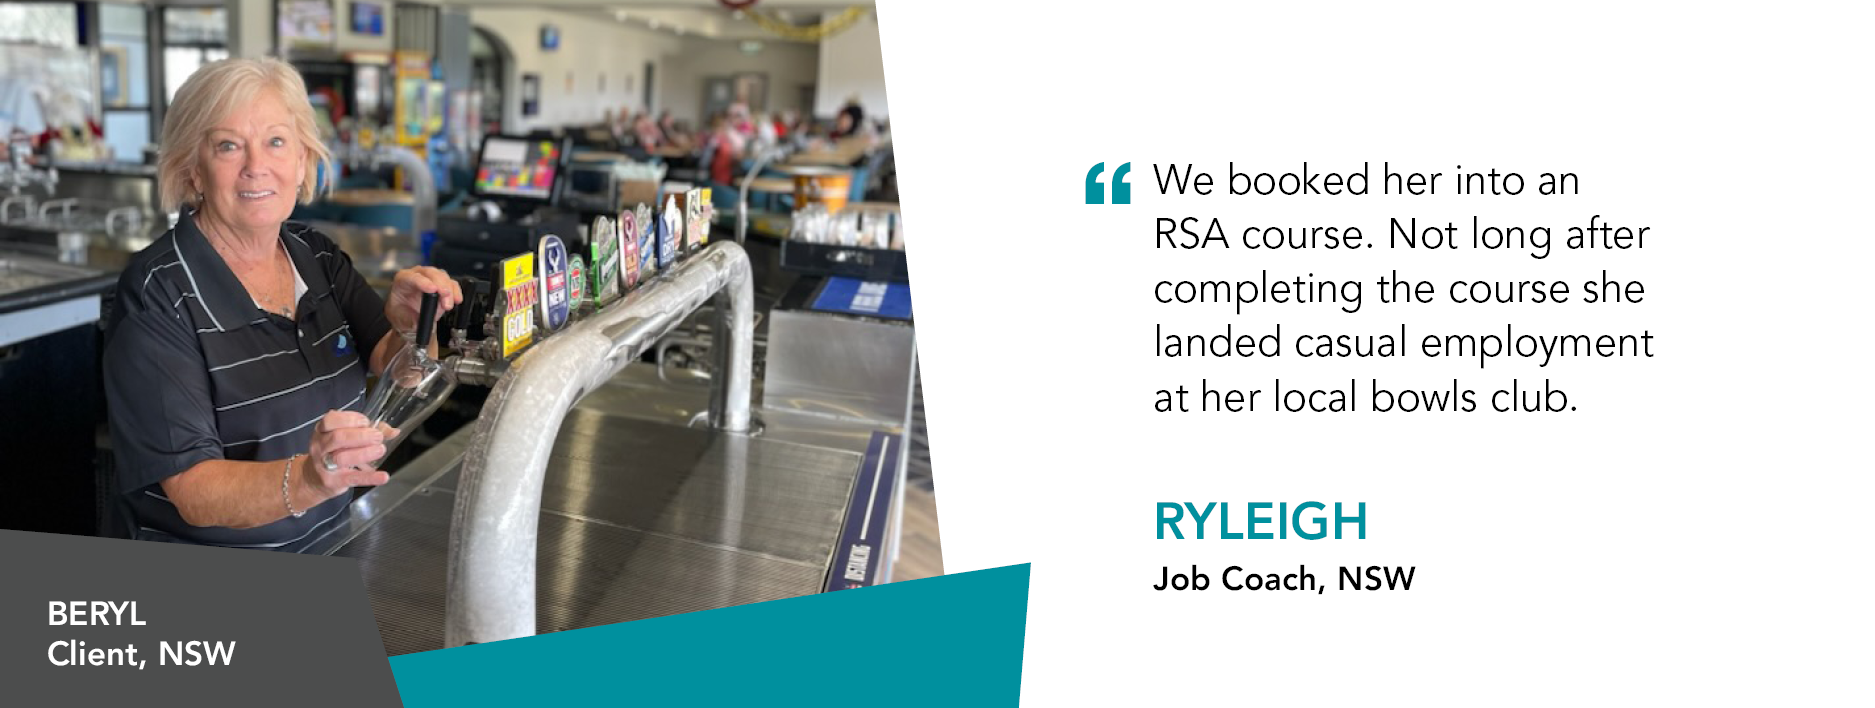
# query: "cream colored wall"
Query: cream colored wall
{"points": [[590, 45], [254, 32], [788, 66], [850, 65]]}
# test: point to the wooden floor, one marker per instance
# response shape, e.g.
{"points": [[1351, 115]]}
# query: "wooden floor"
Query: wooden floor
{"points": [[919, 555]]}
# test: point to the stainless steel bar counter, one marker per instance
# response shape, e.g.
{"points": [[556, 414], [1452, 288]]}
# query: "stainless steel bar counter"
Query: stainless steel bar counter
{"points": [[576, 501], [638, 519]]}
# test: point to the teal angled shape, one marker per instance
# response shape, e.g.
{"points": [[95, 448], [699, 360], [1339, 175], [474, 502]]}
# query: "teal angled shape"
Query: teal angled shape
{"points": [[954, 640], [1096, 192]]}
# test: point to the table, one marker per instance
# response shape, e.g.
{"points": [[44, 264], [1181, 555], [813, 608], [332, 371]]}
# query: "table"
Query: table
{"points": [[772, 185], [597, 156], [823, 159], [793, 169], [371, 197], [767, 187]]}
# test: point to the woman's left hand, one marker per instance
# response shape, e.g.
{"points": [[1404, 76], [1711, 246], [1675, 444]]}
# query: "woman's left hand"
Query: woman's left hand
{"points": [[407, 295]]}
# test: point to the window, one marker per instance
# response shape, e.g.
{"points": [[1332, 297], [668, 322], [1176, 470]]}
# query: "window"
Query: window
{"points": [[124, 78], [49, 24], [45, 75], [192, 36]]}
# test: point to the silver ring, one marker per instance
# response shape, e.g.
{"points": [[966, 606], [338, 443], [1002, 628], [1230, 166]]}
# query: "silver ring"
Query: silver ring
{"points": [[326, 459]]}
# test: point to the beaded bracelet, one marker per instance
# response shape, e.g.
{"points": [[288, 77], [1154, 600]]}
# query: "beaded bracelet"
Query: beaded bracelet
{"points": [[286, 495]]}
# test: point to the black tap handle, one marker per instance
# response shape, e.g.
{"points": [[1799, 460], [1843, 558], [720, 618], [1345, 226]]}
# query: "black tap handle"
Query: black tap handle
{"points": [[471, 291], [463, 319], [426, 319]]}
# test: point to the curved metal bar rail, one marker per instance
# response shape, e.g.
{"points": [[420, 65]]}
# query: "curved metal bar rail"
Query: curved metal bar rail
{"points": [[496, 522]]}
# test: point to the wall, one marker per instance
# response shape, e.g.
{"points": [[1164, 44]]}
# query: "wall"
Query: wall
{"points": [[788, 66], [590, 45], [253, 29], [850, 64], [452, 47], [250, 31]]}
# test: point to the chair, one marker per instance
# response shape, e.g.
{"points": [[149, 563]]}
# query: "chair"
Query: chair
{"points": [[873, 183]]}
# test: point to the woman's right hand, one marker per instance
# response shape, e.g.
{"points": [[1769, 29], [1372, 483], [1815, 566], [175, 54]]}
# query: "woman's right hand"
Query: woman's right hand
{"points": [[347, 440]]}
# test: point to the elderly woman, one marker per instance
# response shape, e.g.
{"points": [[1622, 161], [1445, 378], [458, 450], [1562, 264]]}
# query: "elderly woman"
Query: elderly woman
{"points": [[240, 342]]}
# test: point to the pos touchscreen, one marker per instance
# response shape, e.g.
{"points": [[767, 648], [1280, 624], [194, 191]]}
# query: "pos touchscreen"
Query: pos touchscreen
{"points": [[514, 168]]}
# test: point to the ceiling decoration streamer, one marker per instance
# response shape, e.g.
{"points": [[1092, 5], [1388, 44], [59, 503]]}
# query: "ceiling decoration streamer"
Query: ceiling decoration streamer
{"points": [[829, 25]]}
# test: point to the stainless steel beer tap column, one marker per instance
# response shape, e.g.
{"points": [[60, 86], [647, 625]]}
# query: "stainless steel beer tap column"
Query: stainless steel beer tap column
{"points": [[416, 170], [762, 161], [496, 523]]}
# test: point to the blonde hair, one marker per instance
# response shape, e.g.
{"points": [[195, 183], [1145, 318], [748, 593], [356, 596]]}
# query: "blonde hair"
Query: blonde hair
{"points": [[210, 94]]}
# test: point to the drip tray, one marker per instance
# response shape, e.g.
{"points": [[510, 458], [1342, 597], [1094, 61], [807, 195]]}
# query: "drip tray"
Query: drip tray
{"points": [[638, 520]]}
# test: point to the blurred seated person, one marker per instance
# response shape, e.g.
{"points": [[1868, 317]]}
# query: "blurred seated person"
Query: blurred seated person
{"points": [[679, 136], [725, 146], [766, 138], [783, 123], [620, 123], [850, 122], [667, 124], [740, 121], [649, 136]]}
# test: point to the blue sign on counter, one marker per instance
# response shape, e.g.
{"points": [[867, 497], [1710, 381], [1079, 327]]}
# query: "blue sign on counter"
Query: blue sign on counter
{"points": [[555, 306], [862, 548], [851, 296]]}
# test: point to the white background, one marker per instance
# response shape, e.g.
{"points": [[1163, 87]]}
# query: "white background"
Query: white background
{"points": [[1694, 534]]}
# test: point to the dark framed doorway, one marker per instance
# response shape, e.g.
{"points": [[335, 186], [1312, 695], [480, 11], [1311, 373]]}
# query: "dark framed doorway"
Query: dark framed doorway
{"points": [[651, 72], [489, 64]]}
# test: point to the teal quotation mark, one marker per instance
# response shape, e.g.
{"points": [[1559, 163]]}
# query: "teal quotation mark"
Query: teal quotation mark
{"points": [[1122, 192]]}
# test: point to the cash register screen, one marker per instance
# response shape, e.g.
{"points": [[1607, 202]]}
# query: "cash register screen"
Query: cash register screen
{"points": [[518, 167]]}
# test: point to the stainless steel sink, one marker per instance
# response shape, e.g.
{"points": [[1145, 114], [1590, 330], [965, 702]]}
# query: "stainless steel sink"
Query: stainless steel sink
{"points": [[19, 273]]}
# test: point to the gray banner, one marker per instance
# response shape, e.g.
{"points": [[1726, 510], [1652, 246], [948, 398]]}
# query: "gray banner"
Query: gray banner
{"points": [[219, 626]]}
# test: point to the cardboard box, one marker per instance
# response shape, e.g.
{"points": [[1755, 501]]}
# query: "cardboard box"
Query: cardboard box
{"points": [[635, 192]]}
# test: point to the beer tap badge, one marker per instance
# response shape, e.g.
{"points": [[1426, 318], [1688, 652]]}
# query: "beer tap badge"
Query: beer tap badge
{"points": [[554, 306], [576, 283], [647, 241], [605, 257], [628, 260], [693, 220], [670, 230], [706, 215], [519, 291]]}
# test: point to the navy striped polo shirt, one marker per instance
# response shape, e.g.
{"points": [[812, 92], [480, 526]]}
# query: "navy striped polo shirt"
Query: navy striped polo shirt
{"points": [[195, 371]]}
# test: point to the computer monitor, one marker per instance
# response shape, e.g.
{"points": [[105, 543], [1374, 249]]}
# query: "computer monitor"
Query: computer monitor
{"points": [[517, 169]]}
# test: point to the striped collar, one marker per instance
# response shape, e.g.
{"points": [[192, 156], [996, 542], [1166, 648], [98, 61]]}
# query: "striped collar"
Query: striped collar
{"points": [[221, 294]]}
